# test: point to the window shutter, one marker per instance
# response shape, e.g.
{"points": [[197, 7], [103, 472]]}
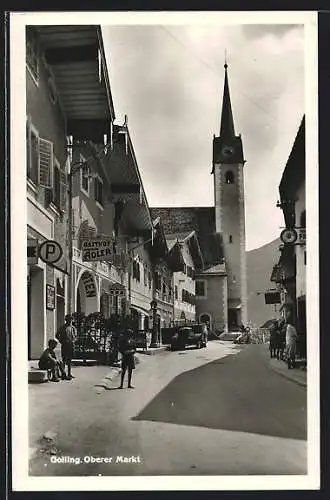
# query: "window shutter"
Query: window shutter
{"points": [[28, 146], [45, 163], [63, 190]]}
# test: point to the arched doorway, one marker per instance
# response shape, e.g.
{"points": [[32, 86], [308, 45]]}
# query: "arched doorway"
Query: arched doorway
{"points": [[87, 294], [205, 318]]}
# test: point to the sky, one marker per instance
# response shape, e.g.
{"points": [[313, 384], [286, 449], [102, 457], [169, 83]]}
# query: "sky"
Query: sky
{"points": [[168, 80]]}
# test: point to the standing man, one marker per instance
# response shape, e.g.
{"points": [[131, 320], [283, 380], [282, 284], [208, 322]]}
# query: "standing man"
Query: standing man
{"points": [[127, 350], [67, 336], [291, 343]]}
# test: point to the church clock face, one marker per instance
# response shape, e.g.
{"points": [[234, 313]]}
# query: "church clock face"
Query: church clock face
{"points": [[227, 151]]}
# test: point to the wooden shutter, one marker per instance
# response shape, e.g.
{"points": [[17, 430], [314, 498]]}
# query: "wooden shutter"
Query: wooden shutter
{"points": [[63, 190], [28, 147], [45, 163]]}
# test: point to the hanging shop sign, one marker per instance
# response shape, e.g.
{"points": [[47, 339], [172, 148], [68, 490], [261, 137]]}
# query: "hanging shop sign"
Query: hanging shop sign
{"points": [[89, 284], [50, 297], [96, 250], [117, 291], [301, 236], [272, 297], [289, 236], [294, 236], [32, 251]]}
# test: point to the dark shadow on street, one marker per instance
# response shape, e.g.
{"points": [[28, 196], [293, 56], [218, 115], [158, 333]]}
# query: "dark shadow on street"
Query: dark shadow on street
{"points": [[237, 393]]}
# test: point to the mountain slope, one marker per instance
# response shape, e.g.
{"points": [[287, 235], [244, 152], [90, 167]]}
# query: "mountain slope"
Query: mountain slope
{"points": [[260, 262]]}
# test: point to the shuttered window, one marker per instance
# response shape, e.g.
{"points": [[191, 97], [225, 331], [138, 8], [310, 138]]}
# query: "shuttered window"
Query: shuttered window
{"points": [[45, 163], [32, 52], [98, 185], [59, 186], [32, 153], [84, 178]]}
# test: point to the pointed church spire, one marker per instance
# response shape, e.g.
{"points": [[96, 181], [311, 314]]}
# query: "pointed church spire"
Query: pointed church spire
{"points": [[227, 122]]}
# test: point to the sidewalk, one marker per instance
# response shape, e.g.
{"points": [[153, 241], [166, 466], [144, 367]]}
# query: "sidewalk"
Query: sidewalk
{"points": [[297, 375]]}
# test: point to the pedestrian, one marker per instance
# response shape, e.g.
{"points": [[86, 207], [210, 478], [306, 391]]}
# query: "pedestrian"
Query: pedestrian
{"points": [[291, 343], [273, 342], [281, 339], [67, 336], [49, 362], [127, 350]]}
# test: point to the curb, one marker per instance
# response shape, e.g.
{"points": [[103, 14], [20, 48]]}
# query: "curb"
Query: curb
{"points": [[103, 384], [155, 351], [288, 377]]}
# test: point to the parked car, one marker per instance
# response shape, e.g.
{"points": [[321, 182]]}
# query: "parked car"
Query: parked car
{"points": [[185, 336], [231, 336]]}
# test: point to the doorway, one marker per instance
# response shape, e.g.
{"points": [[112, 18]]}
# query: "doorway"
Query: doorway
{"points": [[232, 319], [36, 312]]}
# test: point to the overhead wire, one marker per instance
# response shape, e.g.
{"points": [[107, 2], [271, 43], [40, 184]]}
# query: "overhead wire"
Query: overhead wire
{"points": [[216, 72]]}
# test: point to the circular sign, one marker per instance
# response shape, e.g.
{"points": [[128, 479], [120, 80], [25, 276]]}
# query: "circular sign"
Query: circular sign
{"points": [[289, 236], [50, 252]]}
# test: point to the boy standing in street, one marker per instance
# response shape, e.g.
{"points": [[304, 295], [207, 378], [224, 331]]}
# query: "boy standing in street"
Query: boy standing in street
{"points": [[127, 350], [67, 336]]}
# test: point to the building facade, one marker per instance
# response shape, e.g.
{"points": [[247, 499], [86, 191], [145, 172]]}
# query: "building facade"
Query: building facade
{"points": [[290, 272], [65, 75]]}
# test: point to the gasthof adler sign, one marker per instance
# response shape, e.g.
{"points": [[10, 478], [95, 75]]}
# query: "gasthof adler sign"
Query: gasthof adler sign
{"points": [[94, 250]]}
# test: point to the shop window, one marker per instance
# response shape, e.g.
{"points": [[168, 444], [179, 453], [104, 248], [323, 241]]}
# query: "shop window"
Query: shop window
{"points": [[200, 288], [229, 178], [98, 187]]}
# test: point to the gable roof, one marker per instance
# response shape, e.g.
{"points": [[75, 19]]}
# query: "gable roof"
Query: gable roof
{"points": [[183, 220]]}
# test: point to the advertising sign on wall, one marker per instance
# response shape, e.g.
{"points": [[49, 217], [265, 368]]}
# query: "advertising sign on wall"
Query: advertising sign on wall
{"points": [[97, 250]]}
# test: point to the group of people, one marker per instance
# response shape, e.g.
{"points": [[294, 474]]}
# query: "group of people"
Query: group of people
{"points": [[67, 336], [283, 341], [48, 359]]}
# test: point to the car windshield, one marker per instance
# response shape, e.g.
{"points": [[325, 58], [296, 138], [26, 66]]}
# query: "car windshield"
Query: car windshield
{"points": [[185, 331]]}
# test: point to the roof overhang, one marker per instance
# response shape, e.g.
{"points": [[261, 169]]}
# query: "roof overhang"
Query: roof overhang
{"points": [[121, 170], [75, 57], [159, 248], [195, 250]]}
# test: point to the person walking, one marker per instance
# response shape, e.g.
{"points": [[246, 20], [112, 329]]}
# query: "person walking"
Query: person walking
{"points": [[273, 343], [67, 336], [291, 343], [127, 350]]}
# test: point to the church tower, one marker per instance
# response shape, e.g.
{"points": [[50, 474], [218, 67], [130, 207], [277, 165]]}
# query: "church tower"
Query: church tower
{"points": [[228, 172]]}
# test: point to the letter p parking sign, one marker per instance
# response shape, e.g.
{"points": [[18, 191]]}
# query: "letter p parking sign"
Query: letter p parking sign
{"points": [[50, 252]]}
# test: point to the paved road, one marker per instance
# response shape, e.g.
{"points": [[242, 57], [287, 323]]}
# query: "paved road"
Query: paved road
{"points": [[219, 410]]}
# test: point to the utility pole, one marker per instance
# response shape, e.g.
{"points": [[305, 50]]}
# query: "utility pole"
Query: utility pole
{"points": [[70, 242]]}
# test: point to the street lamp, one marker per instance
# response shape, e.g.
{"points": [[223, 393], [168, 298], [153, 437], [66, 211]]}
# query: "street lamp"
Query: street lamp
{"points": [[154, 335]]}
